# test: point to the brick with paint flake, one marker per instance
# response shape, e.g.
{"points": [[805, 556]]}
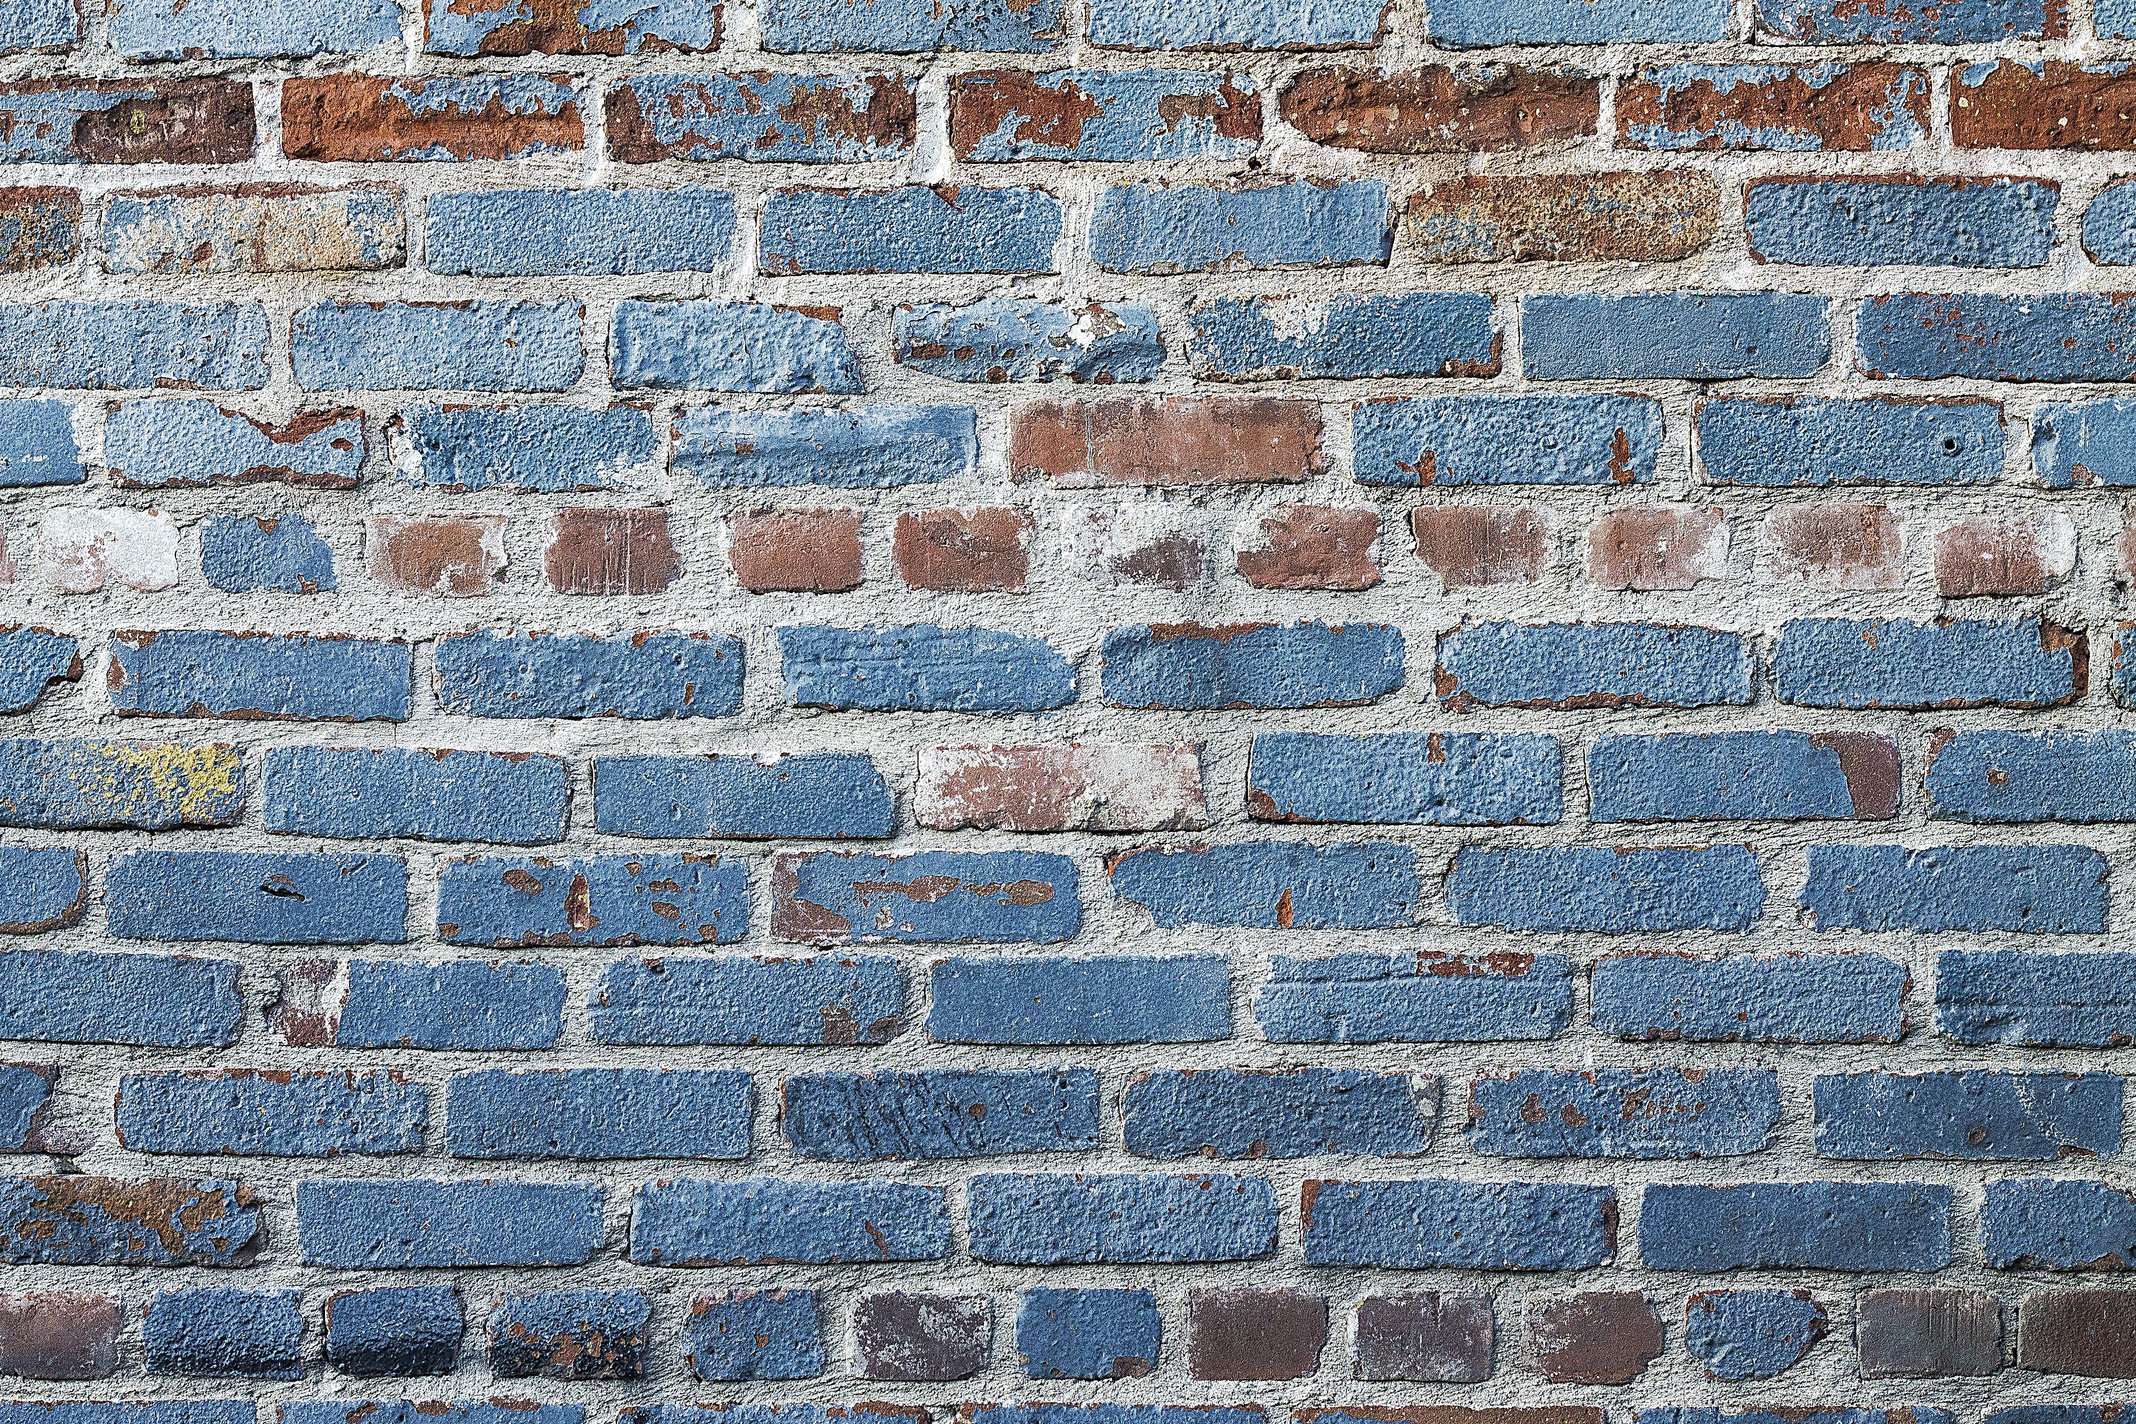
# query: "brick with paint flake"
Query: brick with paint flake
{"points": [[1470, 24], [443, 557], [1442, 108], [756, 1335], [1289, 338], [601, 552], [1903, 221], [1895, 664], [42, 888], [256, 227], [1506, 440], [1624, 1113], [574, 27], [279, 553], [413, 346], [2057, 1224], [1087, 786], [570, 1335], [82, 1220], [133, 345], [930, 897], [732, 346], [37, 444], [1433, 1336], [1743, 776], [506, 902], [910, 26], [1163, 441], [1968, 21], [1312, 546], [1752, 1334], [126, 120], [258, 898], [1083, 1333], [2029, 999], [760, 117], [537, 449], [1830, 108], [984, 550], [362, 118], [1100, 115], [2006, 777], [59, 1335], [32, 661], [2072, 336], [40, 25], [39, 227], [463, 1004], [1281, 885], [80, 784], [1000, 339], [923, 667], [164, 444]]}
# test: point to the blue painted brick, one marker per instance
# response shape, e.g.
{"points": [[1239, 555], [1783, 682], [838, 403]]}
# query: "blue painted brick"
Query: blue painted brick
{"points": [[1371, 996], [585, 26], [1007, 116], [1439, 1223], [737, 999], [1235, 24], [1773, 998], [413, 346], [536, 449], [999, 339], [42, 888], [2033, 1000], [2045, 889], [121, 346], [1908, 220], [1283, 885], [215, 1331], [1406, 778], [1087, 1334], [39, 24], [1232, 1113], [875, 447], [755, 1335], [835, 795], [570, 1334], [1158, 228], [596, 232], [280, 553], [429, 1411], [394, 1330], [363, 1225], [1998, 776], [1037, 1219], [1974, 1116], [1569, 665], [690, 1221], [1624, 1112], [1471, 24], [37, 445], [910, 229], [592, 1114], [1701, 336], [89, 996], [134, 1411], [910, 26], [247, 1112], [80, 1220], [80, 785], [26, 1092], [732, 346], [507, 902], [1799, 1225], [1115, 1414], [495, 672], [512, 798], [2036, 1223], [1698, 106], [1116, 998], [1506, 440], [761, 117], [1743, 776], [1751, 1334], [947, 1112], [931, 897], [1950, 662], [1344, 337], [250, 29], [1206, 667], [1818, 442], [1606, 890], [167, 444], [2067, 336], [922, 667], [1965, 21], [249, 897], [2109, 228], [458, 1004], [291, 676], [32, 659], [2089, 442]]}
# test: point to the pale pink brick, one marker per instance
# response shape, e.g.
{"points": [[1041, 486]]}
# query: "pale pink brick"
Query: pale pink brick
{"points": [[2000, 555], [88, 550], [1147, 544], [1073, 786], [1657, 546]]}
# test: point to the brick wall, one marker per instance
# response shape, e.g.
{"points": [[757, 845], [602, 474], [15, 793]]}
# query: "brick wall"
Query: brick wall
{"points": [[1251, 706]]}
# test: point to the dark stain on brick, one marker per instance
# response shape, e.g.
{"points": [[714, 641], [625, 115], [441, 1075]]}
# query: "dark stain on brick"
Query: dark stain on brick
{"points": [[1596, 1337], [159, 121], [59, 1335]]}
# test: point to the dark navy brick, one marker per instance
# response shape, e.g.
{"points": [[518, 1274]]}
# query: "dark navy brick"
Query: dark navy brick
{"points": [[760, 117], [1438, 1223], [643, 675], [80, 1220], [1344, 337], [1371, 996], [214, 1331], [949, 1112], [1115, 998], [1908, 220], [459, 1004], [2036, 1223], [1743, 776], [1087, 1334], [999, 339], [123, 346], [922, 667], [1406, 778], [395, 1330], [910, 229], [1232, 1113], [591, 1114], [932, 897], [414, 346], [1606, 890], [81, 785], [1624, 1112], [512, 798], [384, 1225], [732, 346], [1272, 885], [1751, 1334], [187, 444], [282, 553], [2045, 889], [1999, 776], [1567, 665], [835, 795], [2065, 336], [250, 29], [258, 897], [1164, 228], [1963, 22], [910, 26], [738, 999], [595, 232], [570, 1335], [756, 1335], [1053, 1220], [40, 24], [42, 888], [2084, 443], [1772, 998], [517, 901], [1818, 442], [1470, 24], [539, 449], [1700, 336], [248, 1112], [187, 673], [89, 996], [37, 445], [1950, 662], [2035, 1000], [1009, 115], [1799, 1225], [762, 1221], [874, 447], [1968, 1116], [1206, 667], [1234, 24]]}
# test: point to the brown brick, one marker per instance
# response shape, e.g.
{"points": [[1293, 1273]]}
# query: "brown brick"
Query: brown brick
{"points": [[59, 1335], [1928, 1334], [1659, 216], [158, 120], [1597, 1337], [1853, 109], [1429, 1336], [1657, 546], [795, 550], [963, 550], [458, 558], [557, 27], [609, 551], [1050, 111], [2078, 1332], [910, 1336], [39, 227], [1314, 546], [1478, 546], [2001, 555], [1069, 786], [1147, 544], [830, 113], [1254, 1333], [363, 118], [1837, 545], [1167, 440], [1441, 108], [2064, 106]]}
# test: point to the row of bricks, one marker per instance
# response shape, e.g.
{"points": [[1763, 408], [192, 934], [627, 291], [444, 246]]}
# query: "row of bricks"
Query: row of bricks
{"points": [[2078, 1310]]}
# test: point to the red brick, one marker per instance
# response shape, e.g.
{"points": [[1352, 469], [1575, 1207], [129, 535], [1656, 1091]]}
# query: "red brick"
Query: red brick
{"points": [[2078, 1332], [1659, 216], [610, 551], [1479, 546], [2064, 106], [458, 558], [1314, 546], [1928, 1334], [363, 118], [1146, 544], [1597, 1337], [1441, 108], [963, 550], [1254, 1333], [1998, 556], [177, 121], [1837, 545], [1849, 113], [1657, 546], [59, 1335], [1068, 786], [1167, 440], [795, 550]]}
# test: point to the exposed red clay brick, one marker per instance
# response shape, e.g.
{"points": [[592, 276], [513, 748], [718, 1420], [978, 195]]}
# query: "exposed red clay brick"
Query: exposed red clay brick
{"points": [[1478, 546], [1167, 440], [1848, 114], [963, 550], [1990, 556], [1254, 1333], [1314, 546], [1053, 113], [2064, 106], [795, 550], [1441, 109], [1597, 1337], [177, 121], [2091, 1333], [458, 558], [1657, 546], [59, 1335], [1837, 545], [611, 551], [556, 27], [826, 112], [1072, 786], [361, 118]]}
